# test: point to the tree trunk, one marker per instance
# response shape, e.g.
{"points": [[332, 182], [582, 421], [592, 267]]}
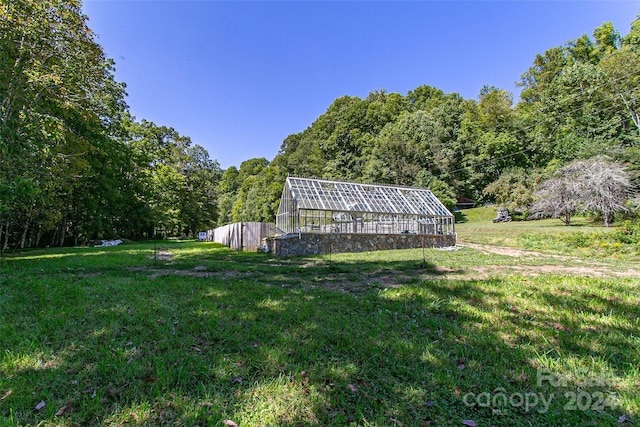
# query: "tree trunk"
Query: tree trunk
{"points": [[38, 236], [63, 230], [633, 112], [23, 238], [605, 215], [5, 245]]}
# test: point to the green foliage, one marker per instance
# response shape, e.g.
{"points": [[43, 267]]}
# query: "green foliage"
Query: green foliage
{"points": [[252, 193], [439, 188], [515, 189], [628, 232], [178, 180], [60, 114], [73, 164]]}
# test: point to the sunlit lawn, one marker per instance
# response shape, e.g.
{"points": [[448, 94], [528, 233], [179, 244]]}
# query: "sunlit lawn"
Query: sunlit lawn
{"points": [[108, 336], [585, 237]]}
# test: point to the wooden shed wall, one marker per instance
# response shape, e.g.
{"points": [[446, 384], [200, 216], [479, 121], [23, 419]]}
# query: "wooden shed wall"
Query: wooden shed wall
{"points": [[242, 236]]}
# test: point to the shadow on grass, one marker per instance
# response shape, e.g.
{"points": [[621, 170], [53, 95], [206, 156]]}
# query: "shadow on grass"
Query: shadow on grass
{"points": [[270, 341]]}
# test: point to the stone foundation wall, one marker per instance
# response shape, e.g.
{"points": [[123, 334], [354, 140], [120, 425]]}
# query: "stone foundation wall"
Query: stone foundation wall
{"points": [[321, 244]]}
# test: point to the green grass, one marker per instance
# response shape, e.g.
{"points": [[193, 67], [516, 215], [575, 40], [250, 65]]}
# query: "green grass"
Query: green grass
{"points": [[584, 238], [204, 335]]}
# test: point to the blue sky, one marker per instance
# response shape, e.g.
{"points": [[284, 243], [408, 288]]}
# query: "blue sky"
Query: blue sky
{"points": [[239, 77]]}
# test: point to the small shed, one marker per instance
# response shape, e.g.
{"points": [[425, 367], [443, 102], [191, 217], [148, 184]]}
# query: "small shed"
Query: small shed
{"points": [[373, 211], [465, 203]]}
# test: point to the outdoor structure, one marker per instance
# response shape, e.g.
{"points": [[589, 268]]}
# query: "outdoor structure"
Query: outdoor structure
{"points": [[334, 216], [241, 236]]}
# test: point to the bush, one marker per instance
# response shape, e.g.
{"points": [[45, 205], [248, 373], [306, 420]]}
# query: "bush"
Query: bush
{"points": [[628, 232]]}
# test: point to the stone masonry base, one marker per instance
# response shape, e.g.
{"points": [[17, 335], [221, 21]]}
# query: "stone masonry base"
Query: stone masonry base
{"points": [[321, 244]]}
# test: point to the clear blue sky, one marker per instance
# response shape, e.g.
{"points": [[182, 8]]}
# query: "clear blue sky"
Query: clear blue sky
{"points": [[239, 77]]}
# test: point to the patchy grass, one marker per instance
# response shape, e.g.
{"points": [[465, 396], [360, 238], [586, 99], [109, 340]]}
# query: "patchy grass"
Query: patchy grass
{"points": [[110, 336]]}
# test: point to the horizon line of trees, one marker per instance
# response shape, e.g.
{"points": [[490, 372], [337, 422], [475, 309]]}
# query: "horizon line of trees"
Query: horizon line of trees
{"points": [[76, 166]]}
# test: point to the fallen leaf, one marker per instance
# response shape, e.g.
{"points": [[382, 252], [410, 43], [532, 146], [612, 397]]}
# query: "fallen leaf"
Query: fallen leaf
{"points": [[622, 419], [469, 423], [229, 423], [40, 405], [6, 394], [523, 377], [353, 388], [457, 391], [65, 409], [328, 383]]}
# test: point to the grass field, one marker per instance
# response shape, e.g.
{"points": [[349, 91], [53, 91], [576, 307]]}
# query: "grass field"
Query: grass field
{"points": [[200, 335]]}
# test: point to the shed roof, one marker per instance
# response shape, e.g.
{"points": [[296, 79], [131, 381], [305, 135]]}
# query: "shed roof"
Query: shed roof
{"points": [[319, 194]]}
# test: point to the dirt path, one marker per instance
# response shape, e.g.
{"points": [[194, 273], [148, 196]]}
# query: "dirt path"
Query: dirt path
{"points": [[594, 269], [503, 250]]}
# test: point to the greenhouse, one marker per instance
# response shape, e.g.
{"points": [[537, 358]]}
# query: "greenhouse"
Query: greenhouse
{"points": [[335, 207]]}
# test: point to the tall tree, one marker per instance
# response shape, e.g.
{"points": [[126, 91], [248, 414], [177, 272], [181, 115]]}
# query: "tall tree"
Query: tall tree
{"points": [[227, 193], [178, 178], [60, 106]]}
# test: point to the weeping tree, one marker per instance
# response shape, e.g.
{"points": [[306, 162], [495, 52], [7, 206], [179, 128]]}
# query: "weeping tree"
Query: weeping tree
{"points": [[594, 185], [606, 187], [558, 197]]}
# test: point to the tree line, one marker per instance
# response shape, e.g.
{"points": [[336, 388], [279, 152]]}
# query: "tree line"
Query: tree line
{"points": [[578, 101], [76, 166]]}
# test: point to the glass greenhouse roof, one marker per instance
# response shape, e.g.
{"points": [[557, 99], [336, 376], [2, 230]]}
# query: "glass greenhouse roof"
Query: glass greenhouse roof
{"points": [[314, 194]]}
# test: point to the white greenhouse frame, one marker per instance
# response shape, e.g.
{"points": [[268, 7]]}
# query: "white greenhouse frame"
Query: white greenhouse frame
{"points": [[321, 206]]}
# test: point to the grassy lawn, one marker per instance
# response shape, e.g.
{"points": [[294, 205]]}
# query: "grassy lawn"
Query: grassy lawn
{"points": [[584, 238], [205, 336]]}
